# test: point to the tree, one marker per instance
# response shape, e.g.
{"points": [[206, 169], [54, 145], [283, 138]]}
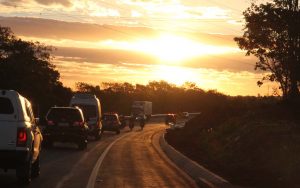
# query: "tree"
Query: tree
{"points": [[26, 67], [272, 34]]}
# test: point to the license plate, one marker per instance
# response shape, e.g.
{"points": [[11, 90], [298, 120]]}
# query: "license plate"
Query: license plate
{"points": [[63, 124]]}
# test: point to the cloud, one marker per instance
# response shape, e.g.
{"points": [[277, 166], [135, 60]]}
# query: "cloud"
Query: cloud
{"points": [[66, 3], [11, 3], [15, 3]]}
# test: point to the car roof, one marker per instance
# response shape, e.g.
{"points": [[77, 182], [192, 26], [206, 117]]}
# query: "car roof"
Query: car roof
{"points": [[66, 107], [110, 114]]}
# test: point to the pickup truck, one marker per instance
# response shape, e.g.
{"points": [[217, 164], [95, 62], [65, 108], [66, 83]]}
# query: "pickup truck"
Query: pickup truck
{"points": [[20, 136]]}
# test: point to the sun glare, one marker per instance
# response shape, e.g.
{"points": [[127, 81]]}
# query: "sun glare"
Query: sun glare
{"points": [[172, 49], [176, 75]]}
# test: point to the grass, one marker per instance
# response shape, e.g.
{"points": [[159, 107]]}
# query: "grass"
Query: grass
{"points": [[251, 143]]}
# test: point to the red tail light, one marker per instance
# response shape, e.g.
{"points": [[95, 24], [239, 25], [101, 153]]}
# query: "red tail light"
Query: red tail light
{"points": [[21, 137], [78, 123], [50, 122]]}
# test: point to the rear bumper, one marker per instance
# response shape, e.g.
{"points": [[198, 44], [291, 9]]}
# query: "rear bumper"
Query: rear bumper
{"points": [[110, 128], [12, 158], [74, 136]]}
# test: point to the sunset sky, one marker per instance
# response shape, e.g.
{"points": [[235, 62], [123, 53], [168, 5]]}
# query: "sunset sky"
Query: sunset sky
{"points": [[138, 41]]}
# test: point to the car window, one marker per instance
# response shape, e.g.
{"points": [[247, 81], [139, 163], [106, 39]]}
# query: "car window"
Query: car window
{"points": [[58, 114], [6, 106], [89, 111], [109, 117]]}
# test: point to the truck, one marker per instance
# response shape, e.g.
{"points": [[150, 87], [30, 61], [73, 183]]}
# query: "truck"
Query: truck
{"points": [[141, 109], [20, 136]]}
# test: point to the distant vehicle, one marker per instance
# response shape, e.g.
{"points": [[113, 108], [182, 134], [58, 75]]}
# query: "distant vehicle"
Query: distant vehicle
{"points": [[185, 114], [123, 121], [20, 136], [111, 122], [91, 107], [170, 119], [141, 109], [66, 124]]}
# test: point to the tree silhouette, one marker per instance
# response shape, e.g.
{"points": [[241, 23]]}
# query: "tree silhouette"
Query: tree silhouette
{"points": [[25, 67], [272, 34]]}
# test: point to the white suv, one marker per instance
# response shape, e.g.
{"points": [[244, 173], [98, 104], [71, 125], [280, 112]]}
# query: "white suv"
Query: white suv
{"points": [[20, 137]]}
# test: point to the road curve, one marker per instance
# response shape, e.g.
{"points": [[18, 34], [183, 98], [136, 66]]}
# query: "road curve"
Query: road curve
{"points": [[134, 162]]}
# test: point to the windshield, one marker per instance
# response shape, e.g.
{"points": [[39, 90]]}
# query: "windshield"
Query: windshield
{"points": [[89, 111], [64, 114], [109, 117]]}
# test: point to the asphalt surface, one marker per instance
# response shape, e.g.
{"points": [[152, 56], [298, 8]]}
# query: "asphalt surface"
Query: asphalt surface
{"points": [[133, 161]]}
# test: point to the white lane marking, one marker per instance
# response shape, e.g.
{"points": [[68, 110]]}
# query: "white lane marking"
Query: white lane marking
{"points": [[93, 176]]}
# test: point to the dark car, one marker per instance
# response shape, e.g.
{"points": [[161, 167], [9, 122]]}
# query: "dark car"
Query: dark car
{"points": [[66, 124], [111, 122], [170, 118]]}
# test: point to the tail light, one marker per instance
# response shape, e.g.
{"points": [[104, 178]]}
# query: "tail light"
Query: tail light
{"points": [[78, 123], [50, 122], [21, 137]]}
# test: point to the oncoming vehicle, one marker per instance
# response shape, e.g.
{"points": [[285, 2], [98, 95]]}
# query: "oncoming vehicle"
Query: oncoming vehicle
{"points": [[20, 136], [111, 122], [91, 108], [185, 114], [66, 124]]}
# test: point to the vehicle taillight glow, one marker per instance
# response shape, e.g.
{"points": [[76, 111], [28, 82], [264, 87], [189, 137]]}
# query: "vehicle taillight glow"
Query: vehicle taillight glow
{"points": [[21, 137], [50, 122]]}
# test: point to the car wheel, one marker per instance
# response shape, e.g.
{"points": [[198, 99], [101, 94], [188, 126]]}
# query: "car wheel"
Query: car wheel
{"points": [[36, 169], [23, 172]]}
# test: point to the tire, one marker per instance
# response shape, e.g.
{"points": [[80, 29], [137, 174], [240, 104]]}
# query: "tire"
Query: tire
{"points": [[36, 169], [23, 172]]}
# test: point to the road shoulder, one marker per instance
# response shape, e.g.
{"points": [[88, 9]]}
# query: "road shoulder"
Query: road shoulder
{"points": [[202, 176]]}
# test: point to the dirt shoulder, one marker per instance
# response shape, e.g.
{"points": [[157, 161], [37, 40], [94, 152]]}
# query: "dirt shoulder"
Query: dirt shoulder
{"points": [[249, 146]]}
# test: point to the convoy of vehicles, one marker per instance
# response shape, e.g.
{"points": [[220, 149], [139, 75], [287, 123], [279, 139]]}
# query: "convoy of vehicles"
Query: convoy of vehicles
{"points": [[141, 109], [66, 124], [91, 108], [20, 140]]}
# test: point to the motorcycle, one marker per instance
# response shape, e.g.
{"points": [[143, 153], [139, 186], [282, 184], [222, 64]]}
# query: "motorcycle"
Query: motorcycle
{"points": [[131, 123], [142, 122]]}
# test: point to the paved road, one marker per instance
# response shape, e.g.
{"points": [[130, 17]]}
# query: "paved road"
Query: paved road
{"points": [[133, 161]]}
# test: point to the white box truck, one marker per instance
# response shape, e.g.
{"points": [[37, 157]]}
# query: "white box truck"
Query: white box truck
{"points": [[141, 109]]}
